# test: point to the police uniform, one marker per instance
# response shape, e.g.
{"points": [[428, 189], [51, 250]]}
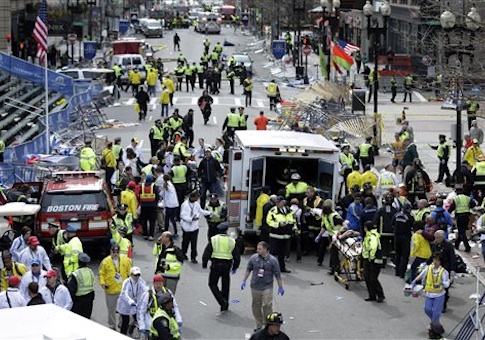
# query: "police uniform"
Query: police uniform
{"points": [[149, 197], [200, 74], [281, 222], [156, 137], [179, 180], [81, 286], [272, 92], [87, 158], [248, 91], [408, 85], [393, 88], [70, 250], [224, 255], [443, 156], [231, 123], [372, 255], [366, 153], [230, 76], [218, 215], [461, 205]]}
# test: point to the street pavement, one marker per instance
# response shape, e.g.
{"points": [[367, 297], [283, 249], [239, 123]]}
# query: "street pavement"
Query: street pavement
{"points": [[314, 305]]}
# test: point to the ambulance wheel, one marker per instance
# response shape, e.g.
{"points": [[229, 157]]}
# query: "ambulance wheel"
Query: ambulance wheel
{"points": [[347, 285]]}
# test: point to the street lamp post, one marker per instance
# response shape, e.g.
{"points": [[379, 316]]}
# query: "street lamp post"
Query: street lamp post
{"points": [[91, 4], [330, 6], [375, 33], [472, 24], [72, 8]]}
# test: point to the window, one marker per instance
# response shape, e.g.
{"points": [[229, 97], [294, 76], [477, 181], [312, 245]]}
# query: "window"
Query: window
{"points": [[74, 203]]}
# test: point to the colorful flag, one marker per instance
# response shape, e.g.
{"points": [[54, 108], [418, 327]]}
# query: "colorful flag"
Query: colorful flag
{"points": [[323, 62], [341, 58], [336, 67], [348, 48], [40, 32]]}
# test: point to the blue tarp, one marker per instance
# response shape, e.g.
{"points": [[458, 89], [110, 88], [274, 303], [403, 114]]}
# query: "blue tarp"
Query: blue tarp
{"points": [[35, 74]]}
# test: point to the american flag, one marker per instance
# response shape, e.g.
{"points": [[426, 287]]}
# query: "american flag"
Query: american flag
{"points": [[40, 32], [348, 48]]}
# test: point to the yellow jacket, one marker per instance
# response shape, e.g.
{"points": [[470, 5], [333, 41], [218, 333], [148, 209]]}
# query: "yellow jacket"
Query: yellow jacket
{"points": [[107, 273], [260, 202], [165, 97], [471, 154], [109, 158], [19, 269], [169, 84], [369, 177], [135, 78], [128, 197], [355, 177], [420, 247], [152, 78]]}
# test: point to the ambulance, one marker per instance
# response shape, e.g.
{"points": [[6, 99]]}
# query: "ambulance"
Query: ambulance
{"points": [[269, 158]]}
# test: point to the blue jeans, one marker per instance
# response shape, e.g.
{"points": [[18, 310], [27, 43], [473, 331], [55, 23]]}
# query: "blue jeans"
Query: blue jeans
{"points": [[433, 307], [483, 249], [164, 112], [415, 265]]}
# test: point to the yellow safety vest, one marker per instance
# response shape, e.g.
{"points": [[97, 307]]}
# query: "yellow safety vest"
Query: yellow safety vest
{"points": [[441, 149], [364, 150], [299, 188], [242, 121], [126, 222], [71, 251], [369, 246], [172, 323], [87, 159], [462, 204], [248, 85], [386, 180], [174, 264], [480, 173], [117, 150], [347, 160], [214, 55], [85, 281], [232, 120], [179, 174], [418, 216], [434, 285], [153, 306], [157, 132], [273, 220], [215, 213], [222, 247], [404, 135], [328, 223], [408, 81], [135, 78], [271, 89], [148, 196]]}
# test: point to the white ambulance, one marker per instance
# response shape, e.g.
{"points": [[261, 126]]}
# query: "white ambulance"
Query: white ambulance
{"points": [[269, 158]]}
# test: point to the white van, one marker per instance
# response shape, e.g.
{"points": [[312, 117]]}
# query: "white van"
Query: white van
{"points": [[269, 158], [127, 61]]}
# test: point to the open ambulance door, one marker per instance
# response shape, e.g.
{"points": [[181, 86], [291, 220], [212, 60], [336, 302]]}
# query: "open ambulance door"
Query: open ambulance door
{"points": [[255, 182], [327, 179]]}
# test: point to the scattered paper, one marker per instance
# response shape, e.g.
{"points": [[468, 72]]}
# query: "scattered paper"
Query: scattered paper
{"points": [[338, 298], [313, 331], [203, 303]]}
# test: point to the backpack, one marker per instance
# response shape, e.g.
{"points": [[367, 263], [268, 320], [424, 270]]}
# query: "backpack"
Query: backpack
{"points": [[441, 220], [7, 239], [460, 264]]}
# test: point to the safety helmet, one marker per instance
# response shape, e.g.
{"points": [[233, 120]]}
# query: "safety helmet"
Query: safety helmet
{"points": [[274, 318], [328, 204]]}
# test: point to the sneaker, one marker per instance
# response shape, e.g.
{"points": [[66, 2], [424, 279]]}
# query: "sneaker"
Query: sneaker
{"points": [[150, 238], [195, 261]]}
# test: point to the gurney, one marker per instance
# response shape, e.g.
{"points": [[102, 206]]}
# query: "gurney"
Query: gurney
{"points": [[350, 246]]}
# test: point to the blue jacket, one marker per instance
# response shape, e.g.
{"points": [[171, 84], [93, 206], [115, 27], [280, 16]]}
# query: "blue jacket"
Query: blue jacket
{"points": [[353, 216]]}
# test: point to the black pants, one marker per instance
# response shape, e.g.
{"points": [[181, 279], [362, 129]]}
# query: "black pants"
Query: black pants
{"points": [[278, 248], [83, 305], [181, 189], [220, 269], [249, 97], [470, 117], [176, 46], [148, 220], [462, 224], [190, 237], [125, 323], [264, 236], [201, 80], [188, 81], [334, 259], [189, 133], [272, 103], [402, 245], [231, 85], [171, 100], [171, 216], [179, 84], [109, 173], [371, 276], [212, 230], [371, 93], [443, 170], [406, 92], [393, 93], [134, 88], [322, 248], [387, 244]]}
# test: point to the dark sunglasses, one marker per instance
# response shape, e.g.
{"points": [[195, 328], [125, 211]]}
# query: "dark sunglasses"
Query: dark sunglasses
{"points": [[136, 274], [115, 251], [35, 265]]}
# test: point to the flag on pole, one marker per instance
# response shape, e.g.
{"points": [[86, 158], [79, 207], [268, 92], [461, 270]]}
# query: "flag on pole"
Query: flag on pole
{"points": [[348, 48], [323, 62], [341, 58], [337, 68], [40, 32]]}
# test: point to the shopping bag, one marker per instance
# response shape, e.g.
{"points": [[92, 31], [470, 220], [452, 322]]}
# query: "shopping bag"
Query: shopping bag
{"points": [[137, 108]]}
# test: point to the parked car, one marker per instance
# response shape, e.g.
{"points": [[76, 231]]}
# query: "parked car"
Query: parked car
{"points": [[152, 28], [244, 60]]}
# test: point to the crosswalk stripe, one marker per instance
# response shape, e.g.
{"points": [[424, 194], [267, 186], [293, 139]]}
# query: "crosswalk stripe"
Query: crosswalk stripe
{"points": [[153, 101], [216, 101], [131, 101], [194, 100], [237, 101], [260, 103]]}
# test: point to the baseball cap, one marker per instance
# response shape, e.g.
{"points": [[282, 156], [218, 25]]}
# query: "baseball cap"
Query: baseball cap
{"points": [[158, 278], [132, 185], [13, 281], [33, 240], [135, 271], [83, 257], [35, 261], [51, 273], [280, 198]]}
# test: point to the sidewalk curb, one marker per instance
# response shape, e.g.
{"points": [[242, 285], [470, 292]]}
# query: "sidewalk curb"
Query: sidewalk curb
{"points": [[473, 270]]}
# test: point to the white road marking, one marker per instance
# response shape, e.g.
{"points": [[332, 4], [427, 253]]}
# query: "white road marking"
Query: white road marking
{"points": [[141, 143], [150, 118], [153, 101], [216, 101], [174, 100], [214, 119], [203, 303], [237, 101], [260, 103], [131, 101], [194, 101]]}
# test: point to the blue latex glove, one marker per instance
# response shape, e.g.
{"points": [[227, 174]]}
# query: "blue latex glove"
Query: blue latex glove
{"points": [[233, 271], [281, 291], [317, 239], [243, 285], [180, 323], [133, 304]]}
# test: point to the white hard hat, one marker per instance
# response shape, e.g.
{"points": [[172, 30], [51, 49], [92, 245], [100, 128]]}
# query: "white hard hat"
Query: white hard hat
{"points": [[295, 176]]}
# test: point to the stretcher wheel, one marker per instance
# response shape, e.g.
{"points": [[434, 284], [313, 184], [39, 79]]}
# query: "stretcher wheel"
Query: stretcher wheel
{"points": [[347, 286]]}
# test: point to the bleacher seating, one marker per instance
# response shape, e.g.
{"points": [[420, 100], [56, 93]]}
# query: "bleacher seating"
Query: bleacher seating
{"points": [[21, 105]]}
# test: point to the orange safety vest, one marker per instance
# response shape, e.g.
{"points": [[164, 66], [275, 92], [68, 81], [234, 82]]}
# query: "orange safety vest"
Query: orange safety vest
{"points": [[148, 196]]}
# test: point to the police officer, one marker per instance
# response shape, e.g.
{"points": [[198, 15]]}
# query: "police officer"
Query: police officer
{"points": [[366, 153], [331, 222], [296, 188], [70, 250], [179, 74], [243, 119], [218, 214], [124, 219], [149, 198], [408, 88], [189, 72], [231, 123], [248, 90], [57, 239], [200, 75], [118, 149], [135, 81], [204, 60], [478, 173], [179, 179], [231, 74], [207, 45], [156, 137], [87, 157], [169, 260], [461, 205], [372, 263], [164, 324], [472, 107], [81, 287], [403, 226], [224, 255], [272, 91], [347, 162], [393, 88], [281, 223], [383, 222], [218, 48], [214, 57], [443, 156], [312, 218]]}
